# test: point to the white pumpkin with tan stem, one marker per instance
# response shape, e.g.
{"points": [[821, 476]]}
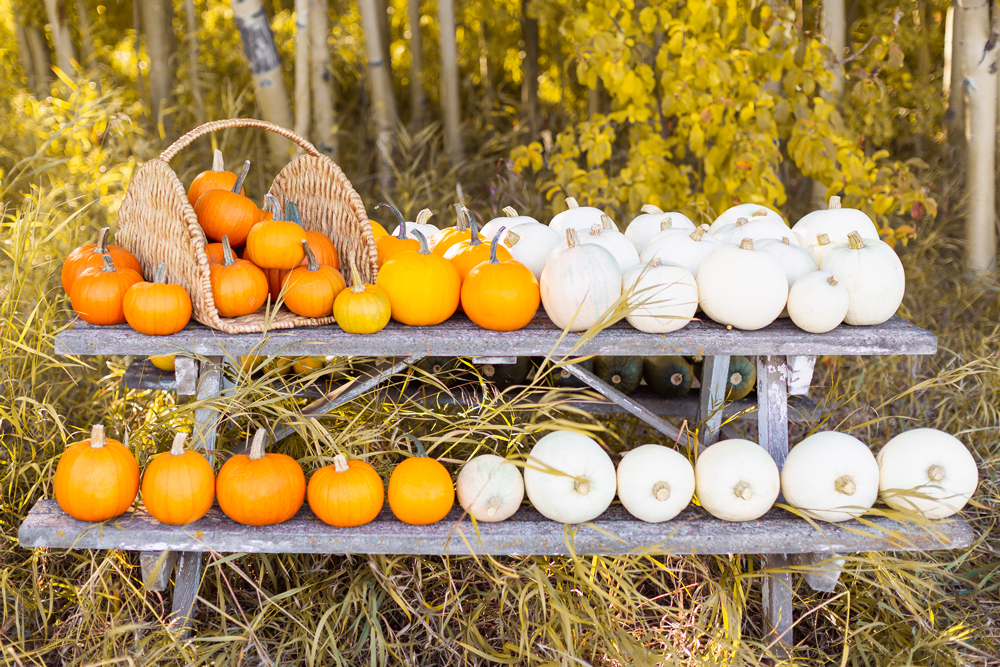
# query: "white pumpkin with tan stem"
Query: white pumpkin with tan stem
{"points": [[665, 296], [736, 480], [830, 476], [742, 287], [531, 245], [819, 247], [608, 237], [873, 276], [490, 488], [651, 222], [580, 218], [748, 211], [678, 247], [421, 225], [818, 302], [569, 478], [928, 471], [579, 284], [509, 219], [755, 229], [655, 483], [836, 223]]}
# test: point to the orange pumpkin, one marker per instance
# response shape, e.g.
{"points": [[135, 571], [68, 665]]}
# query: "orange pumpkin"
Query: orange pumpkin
{"points": [[471, 252], [238, 287], [155, 308], [260, 489], [310, 290], [423, 288], [389, 246], [216, 179], [228, 213], [320, 243], [89, 257], [98, 296], [178, 486], [378, 231], [276, 243], [97, 479], [501, 296], [420, 489], [212, 250], [347, 493], [362, 309], [449, 236]]}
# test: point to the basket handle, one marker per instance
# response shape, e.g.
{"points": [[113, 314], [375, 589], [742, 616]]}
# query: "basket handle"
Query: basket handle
{"points": [[216, 125]]}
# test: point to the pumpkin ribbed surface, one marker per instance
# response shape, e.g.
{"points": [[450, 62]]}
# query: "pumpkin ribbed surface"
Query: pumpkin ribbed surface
{"points": [[346, 494], [96, 483], [262, 491]]}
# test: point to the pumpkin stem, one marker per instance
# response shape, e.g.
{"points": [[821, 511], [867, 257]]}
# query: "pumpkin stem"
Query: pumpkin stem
{"points": [[572, 203], [834, 202], [661, 491], [161, 273], [616, 379], [97, 439], [510, 211], [109, 265], [273, 206], [425, 249], [356, 285], [822, 239], [595, 230], [761, 212], [311, 256], [743, 490], [746, 244], [582, 486], [785, 240], [242, 177], [666, 224], [832, 280], [494, 501], [572, 240], [493, 246], [607, 222], [292, 213], [217, 162], [102, 241], [401, 231], [650, 208], [698, 233], [257, 446], [177, 449], [463, 222], [935, 473], [340, 463], [655, 262], [473, 228], [511, 239], [741, 221], [423, 216], [845, 484], [227, 252], [677, 379], [421, 452], [854, 240]]}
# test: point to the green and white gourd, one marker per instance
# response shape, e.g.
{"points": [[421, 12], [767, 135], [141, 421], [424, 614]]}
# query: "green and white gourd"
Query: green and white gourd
{"points": [[830, 476], [873, 276], [569, 478], [655, 483], [607, 236], [509, 219], [927, 471], [680, 248], [531, 244], [665, 297], [580, 218], [490, 488], [836, 223], [741, 287], [749, 211], [579, 284], [736, 480], [651, 222], [818, 302]]}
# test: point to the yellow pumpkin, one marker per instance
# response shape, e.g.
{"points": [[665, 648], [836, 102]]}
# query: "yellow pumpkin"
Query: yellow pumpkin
{"points": [[423, 288], [362, 309]]}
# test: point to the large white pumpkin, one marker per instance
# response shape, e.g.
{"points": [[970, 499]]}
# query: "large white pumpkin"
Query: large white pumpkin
{"points": [[655, 483], [579, 284], [490, 488], [830, 476], [741, 287], [818, 247], [736, 480], [509, 219], [569, 478], [836, 223], [755, 229], [680, 248], [580, 218], [928, 471], [873, 276], [651, 222], [794, 260], [531, 245], [818, 302], [731, 215], [608, 237], [667, 296]]}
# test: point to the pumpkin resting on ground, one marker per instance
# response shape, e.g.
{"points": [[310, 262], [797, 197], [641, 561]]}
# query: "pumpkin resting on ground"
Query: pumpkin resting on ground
{"points": [[420, 489], [260, 489], [156, 308], [238, 286], [347, 493], [96, 479], [98, 296], [178, 486], [89, 257]]}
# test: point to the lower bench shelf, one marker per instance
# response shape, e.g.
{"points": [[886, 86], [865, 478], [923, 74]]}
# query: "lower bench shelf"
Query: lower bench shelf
{"points": [[526, 533]]}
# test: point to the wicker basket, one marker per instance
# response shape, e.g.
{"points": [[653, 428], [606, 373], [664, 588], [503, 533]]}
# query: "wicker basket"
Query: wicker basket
{"points": [[157, 224]]}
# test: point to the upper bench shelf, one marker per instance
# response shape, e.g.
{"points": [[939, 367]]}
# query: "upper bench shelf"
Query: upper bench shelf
{"points": [[459, 337]]}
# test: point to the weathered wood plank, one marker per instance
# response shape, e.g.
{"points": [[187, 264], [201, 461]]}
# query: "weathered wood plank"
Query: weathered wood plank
{"points": [[209, 386], [186, 584], [614, 532], [185, 376], [157, 567], [778, 602], [458, 337], [714, 376], [820, 571], [142, 375], [772, 407], [625, 402]]}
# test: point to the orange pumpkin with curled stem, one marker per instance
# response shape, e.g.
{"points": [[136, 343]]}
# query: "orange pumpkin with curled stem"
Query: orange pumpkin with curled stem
{"points": [[90, 256], [228, 213], [97, 479], [178, 486], [389, 246], [238, 287], [423, 288], [215, 179], [98, 296], [260, 488], [421, 491], [156, 308], [310, 290], [471, 252], [442, 242], [362, 309], [500, 296]]}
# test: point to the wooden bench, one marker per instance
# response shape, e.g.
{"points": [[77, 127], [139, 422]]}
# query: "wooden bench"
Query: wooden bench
{"points": [[780, 538]]}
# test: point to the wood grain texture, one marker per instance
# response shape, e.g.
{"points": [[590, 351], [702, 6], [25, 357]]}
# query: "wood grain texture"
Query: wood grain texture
{"points": [[626, 403], [711, 411], [614, 532], [458, 337]]}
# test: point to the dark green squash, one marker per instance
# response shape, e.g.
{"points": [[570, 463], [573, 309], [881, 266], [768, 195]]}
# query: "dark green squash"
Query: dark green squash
{"points": [[622, 373], [670, 377], [446, 369], [742, 378], [505, 375], [560, 377], [697, 363]]}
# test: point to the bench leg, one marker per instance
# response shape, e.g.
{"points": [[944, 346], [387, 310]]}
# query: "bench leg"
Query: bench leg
{"points": [[714, 376], [820, 576], [778, 601], [186, 583], [156, 569]]}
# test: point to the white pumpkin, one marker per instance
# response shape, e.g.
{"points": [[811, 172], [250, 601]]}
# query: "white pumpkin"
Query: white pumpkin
{"points": [[490, 488], [755, 229], [579, 284], [836, 223], [873, 276], [741, 287], [420, 224], [652, 222], [531, 245], [609, 238], [818, 302], [736, 480], [576, 217], [818, 247], [793, 259], [830, 476], [665, 296], [680, 248], [749, 211], [928, 471], [510, 219], [569, 478], [655, 483]]}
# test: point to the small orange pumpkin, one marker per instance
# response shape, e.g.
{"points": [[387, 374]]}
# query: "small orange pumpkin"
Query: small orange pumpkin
{"points": [[97, 479], [471, 252], [347, 493], [178, 486], [420, 489], [389, 246], [228, 213], [238, 287], [501, 296], [310, 290], [156, 308], [260, 489], [89, 257], [378, 231], [216, 179], [362, 309], [212, 250], [98, 295], [449, 236], [423, 288], [276, 243], [320, 243]]}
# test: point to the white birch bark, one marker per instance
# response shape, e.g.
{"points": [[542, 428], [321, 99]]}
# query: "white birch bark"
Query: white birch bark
{"points": [[41, 59], [529, 85], [322, 79], [953, 74], [194, 69], [835, 31], [86, 40], [24, 56], [449, 81], [55, 10], [302, 75], [383, 102], [157, 21], [418, 98]]}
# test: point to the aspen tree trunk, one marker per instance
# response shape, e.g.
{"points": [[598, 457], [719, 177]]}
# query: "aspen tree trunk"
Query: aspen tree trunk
{"points": [[194, 69], [529, 85], [953, 74], [979, 52], [322, 79], [449, 81], [383, 102], [86, 40], [265, 71], [41, 59], [418, 99], [24, 56], [835, 30], [61, 39], [302, 76], [385, 33], [157, 19]]}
